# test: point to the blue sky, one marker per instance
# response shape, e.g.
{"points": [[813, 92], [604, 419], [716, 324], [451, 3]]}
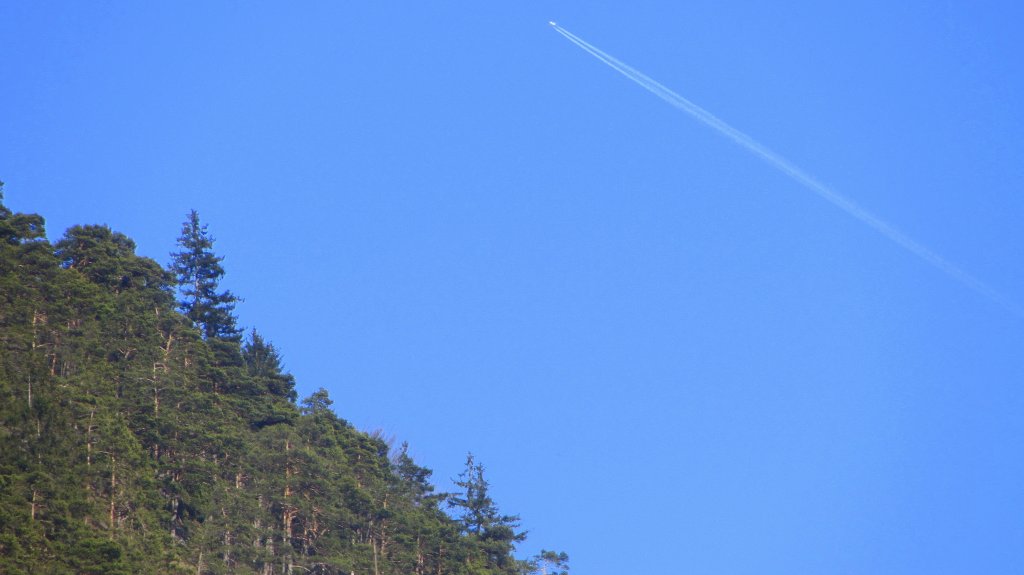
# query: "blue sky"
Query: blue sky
{"points": [[669, 356]]}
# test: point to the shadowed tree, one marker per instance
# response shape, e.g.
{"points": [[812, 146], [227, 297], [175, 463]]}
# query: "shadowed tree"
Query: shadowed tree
{"points": [[263, 363], [107, 258]]}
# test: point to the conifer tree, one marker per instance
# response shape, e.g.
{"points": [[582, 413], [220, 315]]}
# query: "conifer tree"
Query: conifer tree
{"points": [[263, 362], [317, 404], [199, 272], [107, 258], [548, 563], [495, 534], [19, 228], [130, 444]]}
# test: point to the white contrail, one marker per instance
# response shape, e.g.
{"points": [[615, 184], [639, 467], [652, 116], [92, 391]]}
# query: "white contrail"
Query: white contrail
{"points": [[793, 172]]}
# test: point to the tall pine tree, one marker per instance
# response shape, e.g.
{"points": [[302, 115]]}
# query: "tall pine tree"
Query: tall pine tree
{"points": [[199, 273], [495, 535]]}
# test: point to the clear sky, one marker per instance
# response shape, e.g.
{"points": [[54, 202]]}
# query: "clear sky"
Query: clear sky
{"points": [[670, 357]]}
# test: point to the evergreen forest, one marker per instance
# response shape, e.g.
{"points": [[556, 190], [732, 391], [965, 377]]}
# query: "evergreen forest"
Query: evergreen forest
{"points": [[141, 431]]}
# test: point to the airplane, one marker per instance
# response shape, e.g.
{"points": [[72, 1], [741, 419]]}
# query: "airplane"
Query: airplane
{"points": [[552, 22]]}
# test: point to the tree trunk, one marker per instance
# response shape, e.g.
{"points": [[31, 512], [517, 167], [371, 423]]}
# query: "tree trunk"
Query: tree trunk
{"points": [[373, 545], [420, 559], [226, 554], [113, 487], [88, 439]]}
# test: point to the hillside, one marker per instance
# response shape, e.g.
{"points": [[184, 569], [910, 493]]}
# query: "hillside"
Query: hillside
{"points": [[140, 432]]}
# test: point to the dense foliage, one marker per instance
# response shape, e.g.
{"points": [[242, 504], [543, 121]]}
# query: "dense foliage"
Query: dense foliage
{"points": [[140, 434]]}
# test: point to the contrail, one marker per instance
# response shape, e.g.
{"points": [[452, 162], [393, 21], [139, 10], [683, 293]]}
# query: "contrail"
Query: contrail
{"points": [[786, 167]]}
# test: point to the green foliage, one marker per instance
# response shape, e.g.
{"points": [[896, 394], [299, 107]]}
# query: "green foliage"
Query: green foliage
{"points": [[133, 442], [95, 556]]}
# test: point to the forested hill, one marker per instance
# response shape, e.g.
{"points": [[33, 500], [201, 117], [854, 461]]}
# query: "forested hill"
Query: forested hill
{"points": [[140, 432]]}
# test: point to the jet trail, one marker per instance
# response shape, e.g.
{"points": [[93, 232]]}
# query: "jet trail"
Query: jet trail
{"points": [[786, 167]]}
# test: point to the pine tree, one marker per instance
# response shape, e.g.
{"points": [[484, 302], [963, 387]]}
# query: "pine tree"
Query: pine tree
{"points": [[199, 272], [263, 362], [107, 258], [19, 228], [494, 534], [548, 563], [317, 404]]}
